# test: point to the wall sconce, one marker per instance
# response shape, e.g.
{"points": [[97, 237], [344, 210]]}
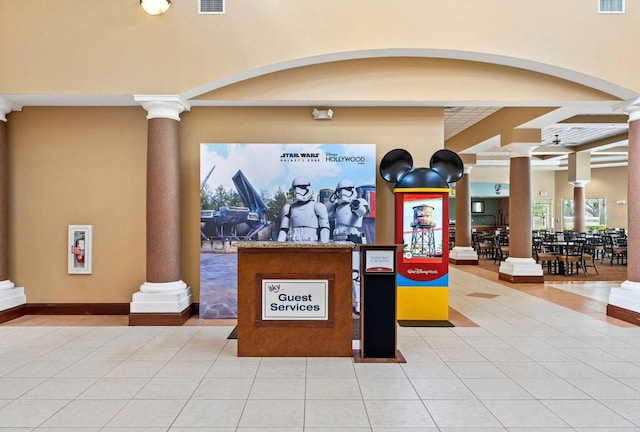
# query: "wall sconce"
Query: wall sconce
{"points": [[621, 202], [155, 7], [326, 114]]}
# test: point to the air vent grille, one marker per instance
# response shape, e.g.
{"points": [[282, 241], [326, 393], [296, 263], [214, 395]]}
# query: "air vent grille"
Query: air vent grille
{"points": [[610, 6], [211, 6]]}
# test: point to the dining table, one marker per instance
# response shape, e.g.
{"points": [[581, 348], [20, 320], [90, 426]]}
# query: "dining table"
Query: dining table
{"points": [[559, 248]]}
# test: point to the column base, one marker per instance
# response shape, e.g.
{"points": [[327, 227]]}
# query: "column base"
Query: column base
{"points": [[11, 296], [158, 308], [521, 270], [624, 302], [12, 301], [463, 255]]}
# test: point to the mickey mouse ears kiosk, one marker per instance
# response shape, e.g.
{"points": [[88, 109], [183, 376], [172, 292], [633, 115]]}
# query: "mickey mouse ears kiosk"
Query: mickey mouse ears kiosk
{"points": [[422, 226]]}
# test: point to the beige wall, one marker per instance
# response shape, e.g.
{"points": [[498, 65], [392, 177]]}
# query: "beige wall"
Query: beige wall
{"points": [[72, 166], [407, 79], [490, 174], [543, 185], [609, 183], [88, 166], [113, 47]]}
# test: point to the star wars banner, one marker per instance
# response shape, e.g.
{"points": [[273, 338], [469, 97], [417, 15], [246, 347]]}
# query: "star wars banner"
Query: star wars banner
{"points": [[279, 192]]}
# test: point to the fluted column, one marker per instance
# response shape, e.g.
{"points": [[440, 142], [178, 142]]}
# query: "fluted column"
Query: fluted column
{"points": [[163, 291], [520, 266], [463, 253], [624, 301], [10, 295], [579, 205]]}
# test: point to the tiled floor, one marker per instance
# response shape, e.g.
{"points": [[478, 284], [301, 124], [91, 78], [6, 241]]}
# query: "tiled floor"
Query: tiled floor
{"points": [[530, 365]]}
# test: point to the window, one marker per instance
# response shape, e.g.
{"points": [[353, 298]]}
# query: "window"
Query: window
{"points": [[477, 206], [542, 214], [610, 6], [595, 211]]}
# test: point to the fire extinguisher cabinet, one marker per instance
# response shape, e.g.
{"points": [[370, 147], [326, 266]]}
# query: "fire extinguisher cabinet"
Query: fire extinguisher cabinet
{"points": [[378, 335]]}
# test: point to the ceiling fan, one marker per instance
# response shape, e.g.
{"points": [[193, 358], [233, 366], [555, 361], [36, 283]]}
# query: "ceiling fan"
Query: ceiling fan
{"points": [[556, 141]]}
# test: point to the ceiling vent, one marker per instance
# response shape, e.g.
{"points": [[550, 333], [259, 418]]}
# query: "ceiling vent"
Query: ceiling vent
{"points": [[210, 6], [610, 6]]}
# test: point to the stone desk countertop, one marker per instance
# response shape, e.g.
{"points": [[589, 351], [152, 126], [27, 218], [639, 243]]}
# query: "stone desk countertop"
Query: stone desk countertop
{"points": [[292, 245]]}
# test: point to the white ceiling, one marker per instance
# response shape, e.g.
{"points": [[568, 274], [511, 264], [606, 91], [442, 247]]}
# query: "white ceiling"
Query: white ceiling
{"points": [[552, 155], [457, 119]]}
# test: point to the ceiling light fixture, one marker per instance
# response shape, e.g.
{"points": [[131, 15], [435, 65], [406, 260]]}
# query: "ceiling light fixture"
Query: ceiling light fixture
{"points": [[155, 7]]}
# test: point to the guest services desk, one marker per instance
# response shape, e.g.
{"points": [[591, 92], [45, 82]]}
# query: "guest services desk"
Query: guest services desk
{"points": [[294, 299]]}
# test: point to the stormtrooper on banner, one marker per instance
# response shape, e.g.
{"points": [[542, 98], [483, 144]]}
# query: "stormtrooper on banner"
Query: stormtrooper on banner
{"points": [[347, 212], [304, 219]]}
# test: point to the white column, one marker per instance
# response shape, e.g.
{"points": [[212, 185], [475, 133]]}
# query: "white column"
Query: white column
{"points": [[624, 301], [461, 254], [520, 266], [579, 202], [164, 291], [10, 295]]}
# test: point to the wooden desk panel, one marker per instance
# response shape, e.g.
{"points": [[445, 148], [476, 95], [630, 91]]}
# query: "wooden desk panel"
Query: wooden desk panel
{"points": [[286, 338]]}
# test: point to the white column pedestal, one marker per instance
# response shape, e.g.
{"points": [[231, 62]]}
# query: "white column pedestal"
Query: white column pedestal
{"points": [[11, 296], [170, 297], [521, 270], [463, 255], [627, 296]]}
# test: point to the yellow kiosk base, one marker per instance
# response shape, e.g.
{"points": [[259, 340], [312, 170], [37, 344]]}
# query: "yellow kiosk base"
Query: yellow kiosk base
{"points": [[423, 304]]}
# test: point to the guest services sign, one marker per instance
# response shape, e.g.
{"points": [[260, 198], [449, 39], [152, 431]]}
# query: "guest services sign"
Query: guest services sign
{"points": [[295, 299]]}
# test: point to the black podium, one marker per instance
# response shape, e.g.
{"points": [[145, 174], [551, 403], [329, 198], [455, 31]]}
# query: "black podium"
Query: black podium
{"points": [[378, 305]]}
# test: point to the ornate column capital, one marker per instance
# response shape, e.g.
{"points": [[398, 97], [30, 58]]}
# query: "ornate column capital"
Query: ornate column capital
{"points": [[520, 149], [6, 106], [163, 106], [632, 108], [578, 184]]}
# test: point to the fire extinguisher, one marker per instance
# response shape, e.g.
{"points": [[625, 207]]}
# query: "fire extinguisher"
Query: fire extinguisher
{"points": [[78, 251]]}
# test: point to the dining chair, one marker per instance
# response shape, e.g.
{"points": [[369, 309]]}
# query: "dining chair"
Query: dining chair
{"points": [[573, 257], [482, 248], [501, 248], [590, 254], [546, 259], [612, 250]]}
